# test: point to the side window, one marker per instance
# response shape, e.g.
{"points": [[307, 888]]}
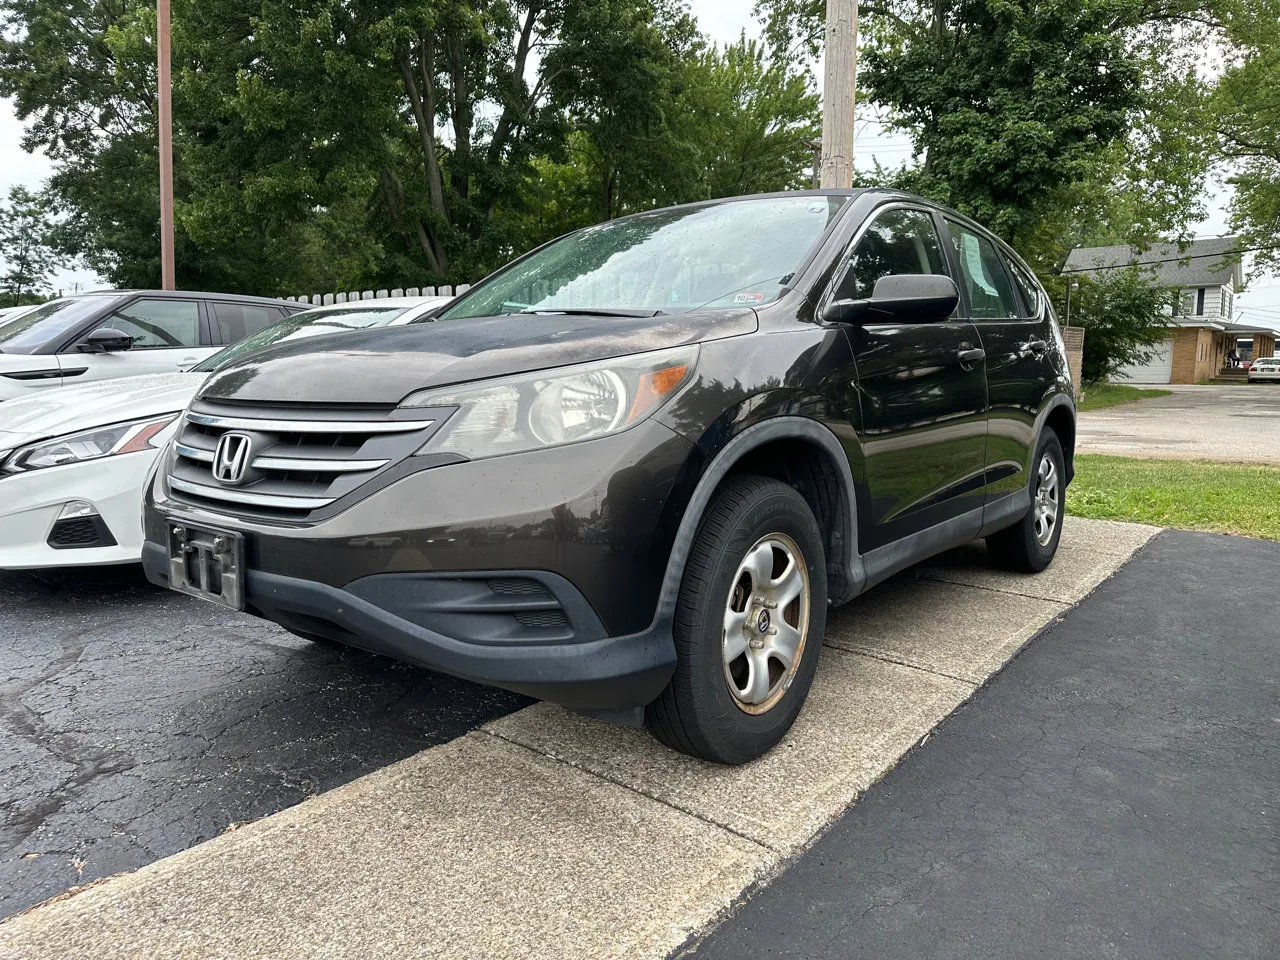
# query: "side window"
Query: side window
{"points": [[1027, 286], [159, 324], [233, 322], [990, 293], [897, 242]]}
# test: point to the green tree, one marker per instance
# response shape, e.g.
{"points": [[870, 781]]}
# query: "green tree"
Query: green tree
{"points": [[28, 237], [752, 118], [1244, 113], [1125, 314], [1038, 118]]}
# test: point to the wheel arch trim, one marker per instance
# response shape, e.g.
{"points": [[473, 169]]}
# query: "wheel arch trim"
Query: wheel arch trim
{"points": [[753, 437]]}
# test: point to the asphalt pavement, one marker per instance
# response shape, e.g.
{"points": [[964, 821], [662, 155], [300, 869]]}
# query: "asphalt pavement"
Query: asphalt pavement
{"points": [[135, 723], [1113, 792], [1238, 422]]}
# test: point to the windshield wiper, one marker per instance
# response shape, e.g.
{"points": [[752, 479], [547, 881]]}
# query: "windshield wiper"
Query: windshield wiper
{"points": [[597, 311]]}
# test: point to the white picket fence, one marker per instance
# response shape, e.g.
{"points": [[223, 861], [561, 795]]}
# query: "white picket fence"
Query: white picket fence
{"points": [[325, 299]]}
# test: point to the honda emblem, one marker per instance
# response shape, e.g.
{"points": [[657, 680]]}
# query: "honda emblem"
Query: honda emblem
{"points": [[231, 458]]}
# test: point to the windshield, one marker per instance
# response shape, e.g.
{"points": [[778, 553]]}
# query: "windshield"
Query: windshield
{"points": [[741, 252], [48, 322], [310, 323]]}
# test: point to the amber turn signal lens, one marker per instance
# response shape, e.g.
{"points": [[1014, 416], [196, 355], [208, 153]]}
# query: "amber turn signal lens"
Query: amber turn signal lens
{"points": [[654, 388]]}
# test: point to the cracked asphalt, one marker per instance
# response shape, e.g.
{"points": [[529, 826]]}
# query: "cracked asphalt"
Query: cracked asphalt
{"points": [[1113, 792], [135, 722]]}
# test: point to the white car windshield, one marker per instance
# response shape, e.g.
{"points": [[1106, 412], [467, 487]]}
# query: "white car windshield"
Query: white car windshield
{"points": [[310, 323], [50, 322]]}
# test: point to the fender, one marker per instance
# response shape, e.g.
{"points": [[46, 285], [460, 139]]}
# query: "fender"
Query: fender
{"points": [[756, 435], [1053, 403]]}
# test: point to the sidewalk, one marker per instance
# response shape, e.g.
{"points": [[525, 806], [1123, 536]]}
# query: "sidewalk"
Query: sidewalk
{"points": [[1115, 792]]}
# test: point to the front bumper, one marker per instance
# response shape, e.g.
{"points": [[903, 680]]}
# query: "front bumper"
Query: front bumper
{"points": [[588, 672], [538, 572], [30, 504]]}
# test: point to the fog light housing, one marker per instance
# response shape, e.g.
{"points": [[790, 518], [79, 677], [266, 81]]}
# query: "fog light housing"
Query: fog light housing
{"points": [[75, 509], [79, 526]]}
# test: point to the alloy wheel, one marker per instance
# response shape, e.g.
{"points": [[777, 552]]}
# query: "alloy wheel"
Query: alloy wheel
{"points": [[765, 623], [1046, 506]]}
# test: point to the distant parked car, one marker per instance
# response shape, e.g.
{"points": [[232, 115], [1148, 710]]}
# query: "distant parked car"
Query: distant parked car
{"points": [[73, 462], [97, 336], [1264, 368], [9, 314]]}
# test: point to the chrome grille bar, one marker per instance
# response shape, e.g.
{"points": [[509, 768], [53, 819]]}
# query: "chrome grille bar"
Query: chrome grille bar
{"points": [[308, 426], [317, 466], [191, 453], [250, 499]]}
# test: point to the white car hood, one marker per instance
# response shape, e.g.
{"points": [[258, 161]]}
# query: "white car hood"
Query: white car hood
{"points": [[53, 413]]}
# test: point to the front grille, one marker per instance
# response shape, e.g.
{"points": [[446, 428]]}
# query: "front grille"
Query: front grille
{"points": [[299, 459]]}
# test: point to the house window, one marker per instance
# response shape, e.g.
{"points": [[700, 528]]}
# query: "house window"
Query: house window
{"points": [[1226, 304], [1200, 302]]}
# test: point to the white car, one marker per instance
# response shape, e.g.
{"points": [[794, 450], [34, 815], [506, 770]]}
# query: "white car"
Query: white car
{"points": [[13, 313], [73, 462], [124, 333], [1264, 368]]}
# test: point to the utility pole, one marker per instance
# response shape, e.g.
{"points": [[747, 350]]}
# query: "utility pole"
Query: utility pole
{"points": [[840, 74], [168, 279]]}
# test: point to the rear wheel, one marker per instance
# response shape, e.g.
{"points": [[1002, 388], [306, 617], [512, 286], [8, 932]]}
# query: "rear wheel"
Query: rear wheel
{"points": [[1030, 544], [748, 625]]}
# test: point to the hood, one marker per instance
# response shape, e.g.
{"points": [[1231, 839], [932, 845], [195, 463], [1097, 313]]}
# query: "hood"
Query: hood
{"points": [[384, 366], [55, 412]]}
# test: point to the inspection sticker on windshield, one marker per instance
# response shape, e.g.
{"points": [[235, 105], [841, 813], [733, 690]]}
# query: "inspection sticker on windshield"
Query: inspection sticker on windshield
{"points": [[748, 298]]}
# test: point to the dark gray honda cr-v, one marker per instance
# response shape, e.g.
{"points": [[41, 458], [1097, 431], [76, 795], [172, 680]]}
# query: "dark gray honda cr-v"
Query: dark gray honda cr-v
{"points": [[630, 471]]}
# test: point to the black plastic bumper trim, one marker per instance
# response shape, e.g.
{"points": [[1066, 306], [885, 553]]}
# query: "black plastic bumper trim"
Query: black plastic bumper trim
{"points": [[608, 673]]}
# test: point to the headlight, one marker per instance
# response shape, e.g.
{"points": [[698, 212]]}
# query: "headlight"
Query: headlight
{"points": [[92, 444], [553, 407]]}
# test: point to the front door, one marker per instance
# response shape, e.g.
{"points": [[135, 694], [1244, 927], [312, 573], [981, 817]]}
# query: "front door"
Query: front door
{"points": [[166, 335], [920, 391]]}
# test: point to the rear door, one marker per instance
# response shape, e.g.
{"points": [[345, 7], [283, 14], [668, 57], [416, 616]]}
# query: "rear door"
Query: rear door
{"points": [[1012, 320], [169, 335], [921, 414], [231, 321]]}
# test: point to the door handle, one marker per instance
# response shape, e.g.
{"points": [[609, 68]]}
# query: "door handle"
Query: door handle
{"points": [[967, 354], [1034, 346]]}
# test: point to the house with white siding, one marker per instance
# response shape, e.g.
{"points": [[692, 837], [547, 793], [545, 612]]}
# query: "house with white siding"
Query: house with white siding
{"points": [[1208, 275]]}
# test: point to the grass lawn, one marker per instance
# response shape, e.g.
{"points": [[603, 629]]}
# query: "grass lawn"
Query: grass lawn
{"points": [[1188, 494], [1095, 396]]}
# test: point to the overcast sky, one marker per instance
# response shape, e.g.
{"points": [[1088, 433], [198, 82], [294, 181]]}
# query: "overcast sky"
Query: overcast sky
{"points": [[723, 21]]}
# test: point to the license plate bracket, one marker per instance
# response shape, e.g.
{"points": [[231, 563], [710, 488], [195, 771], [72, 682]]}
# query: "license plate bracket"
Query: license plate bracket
{"points": [[208, 564]]}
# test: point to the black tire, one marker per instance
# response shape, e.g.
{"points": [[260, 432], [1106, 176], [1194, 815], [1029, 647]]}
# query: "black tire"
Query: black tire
{"points": [[697, 713], [1020, 547]]}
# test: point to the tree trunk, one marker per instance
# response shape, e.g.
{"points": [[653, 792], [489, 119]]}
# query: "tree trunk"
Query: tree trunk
{"points": [[422, 100]]}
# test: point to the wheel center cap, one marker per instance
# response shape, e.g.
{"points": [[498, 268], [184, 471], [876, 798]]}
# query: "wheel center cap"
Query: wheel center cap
{"points": [[763, 622]]}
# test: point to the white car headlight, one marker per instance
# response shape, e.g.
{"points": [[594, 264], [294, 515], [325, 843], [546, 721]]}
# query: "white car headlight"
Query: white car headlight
{"points": [[131, 437], [553, 407]]}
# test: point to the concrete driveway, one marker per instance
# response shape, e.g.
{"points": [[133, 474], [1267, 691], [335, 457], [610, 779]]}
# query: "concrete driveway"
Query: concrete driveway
{"points": [[1194, 423]]}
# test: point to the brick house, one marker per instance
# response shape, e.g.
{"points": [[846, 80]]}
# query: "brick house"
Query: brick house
{"points": [[1207, 274]]}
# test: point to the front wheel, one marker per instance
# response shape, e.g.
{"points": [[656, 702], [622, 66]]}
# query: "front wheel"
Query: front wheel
{"points": [[748, 625], [1030, 544]]}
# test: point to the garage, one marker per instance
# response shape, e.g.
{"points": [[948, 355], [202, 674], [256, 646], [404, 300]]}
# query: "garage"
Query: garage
{"points": [[1159, 369]]}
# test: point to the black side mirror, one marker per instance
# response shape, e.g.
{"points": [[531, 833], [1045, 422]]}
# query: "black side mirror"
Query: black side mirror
{"points": [[105, 340], [900, 298]]}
